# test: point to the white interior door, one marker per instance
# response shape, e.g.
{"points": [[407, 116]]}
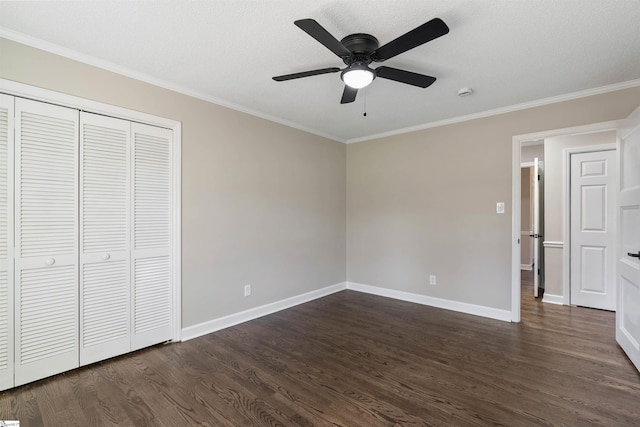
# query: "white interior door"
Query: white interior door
{"points": [[536, 228], [105, 314], [6, 242], [46, 239], [628, 265], [593, 229]]}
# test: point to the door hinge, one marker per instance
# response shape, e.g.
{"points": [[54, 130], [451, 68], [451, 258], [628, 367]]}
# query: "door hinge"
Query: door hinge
{"points": [[538, 177]]}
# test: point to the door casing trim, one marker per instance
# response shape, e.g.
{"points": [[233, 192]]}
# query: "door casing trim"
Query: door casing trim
{"points": [[517, 143]]}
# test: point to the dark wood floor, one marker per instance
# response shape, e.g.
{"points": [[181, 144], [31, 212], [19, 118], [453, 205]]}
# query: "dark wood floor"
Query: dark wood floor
{"points": [[353, 359]]}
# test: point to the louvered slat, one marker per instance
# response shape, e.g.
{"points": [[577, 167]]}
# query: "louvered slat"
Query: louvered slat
{"points": [[104, 188], [4, 180], [5, 322], [151, 191], [6, 242], [152, 280], [105, 323], [106, 301], [48, 307], [46, 231], [152, 299], [47, 185]]}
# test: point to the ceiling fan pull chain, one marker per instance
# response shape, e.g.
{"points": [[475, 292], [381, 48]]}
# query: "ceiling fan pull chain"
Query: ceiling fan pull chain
{"points": [[365, 103]]}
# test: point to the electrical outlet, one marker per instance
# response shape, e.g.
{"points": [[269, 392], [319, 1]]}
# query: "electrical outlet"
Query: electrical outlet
{"points": [[432, 279], [247, 290]]}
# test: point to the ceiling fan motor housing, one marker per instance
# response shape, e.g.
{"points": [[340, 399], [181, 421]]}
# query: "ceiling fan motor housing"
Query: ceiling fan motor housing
{"points": [[362, 46]]}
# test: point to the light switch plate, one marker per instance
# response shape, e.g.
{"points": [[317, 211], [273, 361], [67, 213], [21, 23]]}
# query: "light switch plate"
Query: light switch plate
{"points": [[500, 207]]}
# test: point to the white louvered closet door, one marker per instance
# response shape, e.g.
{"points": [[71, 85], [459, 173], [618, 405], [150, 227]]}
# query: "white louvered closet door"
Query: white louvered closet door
{"points": [[151, 255], [46, 234], [6, 242], [105, 315]]}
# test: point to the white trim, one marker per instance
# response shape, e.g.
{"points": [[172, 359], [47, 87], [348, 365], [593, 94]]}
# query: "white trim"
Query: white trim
{"points": [[214, 325], [463, 307], [532, 104], [516, 248], [573, 130], [176, 235], [532, 144], [124, 71], [551, 244], [531, 164], [109, 66], [566, 208], [517, 142], [553, 299], [44, 95]]}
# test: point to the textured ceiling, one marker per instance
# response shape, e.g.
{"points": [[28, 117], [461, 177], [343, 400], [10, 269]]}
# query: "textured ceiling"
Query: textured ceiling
{"points": [[509, 52]]}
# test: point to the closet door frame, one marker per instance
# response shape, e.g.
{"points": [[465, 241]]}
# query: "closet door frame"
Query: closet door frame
{"points": [[38, 94]]}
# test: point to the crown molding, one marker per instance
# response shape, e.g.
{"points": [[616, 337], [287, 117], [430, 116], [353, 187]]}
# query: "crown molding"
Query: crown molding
{"points": [[517, 107], [109, 66], [124, 71]]}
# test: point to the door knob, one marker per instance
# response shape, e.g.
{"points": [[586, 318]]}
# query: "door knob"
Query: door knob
{"points": [[50, 261], [106, 257], [634, 255]]}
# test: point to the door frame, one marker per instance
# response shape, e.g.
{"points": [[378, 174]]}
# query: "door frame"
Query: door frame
{"points": [[517, 142], [566, 191]]}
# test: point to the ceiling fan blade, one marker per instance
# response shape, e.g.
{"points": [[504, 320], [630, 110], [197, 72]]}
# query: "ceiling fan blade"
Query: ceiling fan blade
{"points": [[306, 74], [403, 76], [318, 32], [349, 95], [426, 32]]}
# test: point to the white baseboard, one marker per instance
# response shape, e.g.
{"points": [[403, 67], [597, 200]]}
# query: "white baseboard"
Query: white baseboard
{"points": [[526, 267], [553, 299], [204, 328], [214, 325], [478, 310]]}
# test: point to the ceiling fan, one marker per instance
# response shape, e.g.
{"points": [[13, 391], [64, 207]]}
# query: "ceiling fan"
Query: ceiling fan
{"points": [[359, 50]]}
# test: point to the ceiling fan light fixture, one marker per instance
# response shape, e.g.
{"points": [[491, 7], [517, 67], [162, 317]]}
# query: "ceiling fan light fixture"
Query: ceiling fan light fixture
{"points": [[358, 76]]}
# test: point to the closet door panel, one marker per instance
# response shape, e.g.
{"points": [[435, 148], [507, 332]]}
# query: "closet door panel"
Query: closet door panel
{"points": [[46, 237], [151, 254], [6, 242], [105, 315]]}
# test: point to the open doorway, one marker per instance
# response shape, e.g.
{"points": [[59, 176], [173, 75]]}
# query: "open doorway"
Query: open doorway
{"points": [[557, 149], [532, 216]]}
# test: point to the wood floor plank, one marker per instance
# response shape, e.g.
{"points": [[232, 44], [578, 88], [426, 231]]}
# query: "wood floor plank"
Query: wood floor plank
{"points": [[352, 359]]}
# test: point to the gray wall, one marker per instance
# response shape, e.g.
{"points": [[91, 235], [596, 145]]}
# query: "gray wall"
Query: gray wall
{"points": [[262, 204], [424, 202], [530, 152]]}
